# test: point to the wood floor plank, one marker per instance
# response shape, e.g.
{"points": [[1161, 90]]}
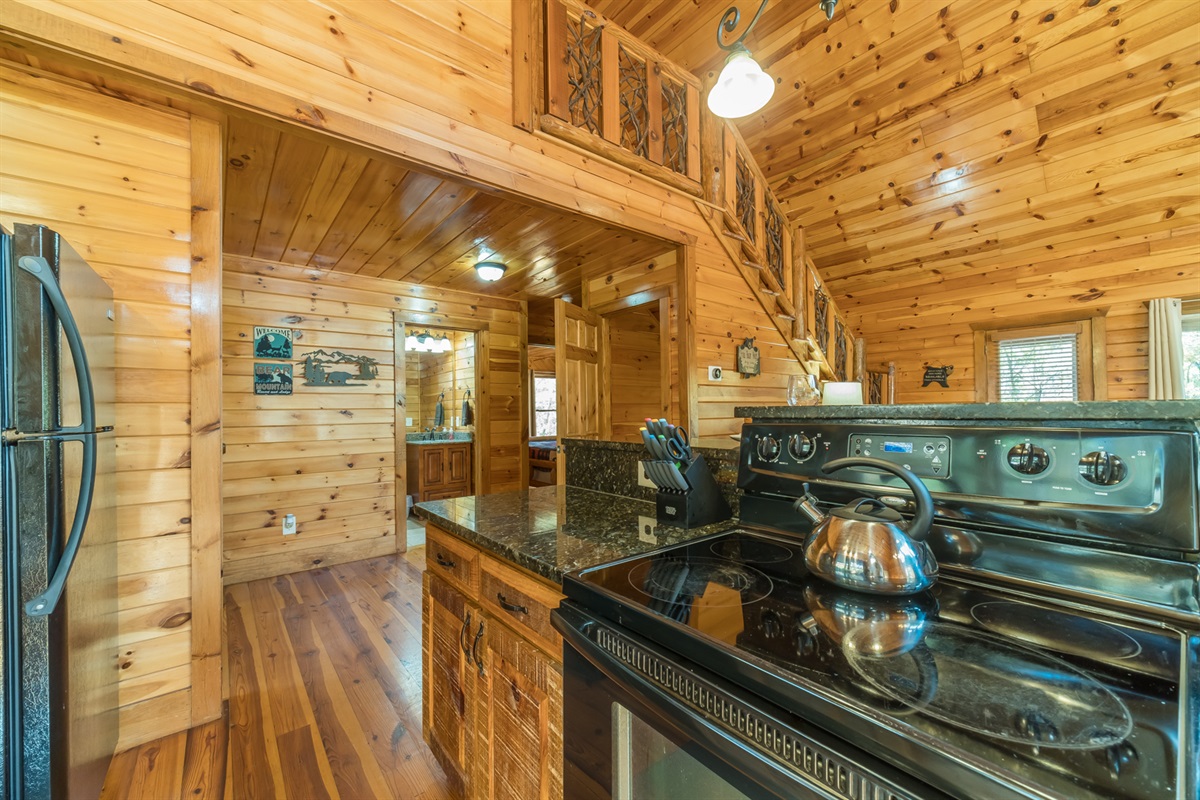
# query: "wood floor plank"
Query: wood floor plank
{"points": [[303, 779], [375, 696], [204, 762], [253, 776], [158, 771], [325, 696], [355, 773]]}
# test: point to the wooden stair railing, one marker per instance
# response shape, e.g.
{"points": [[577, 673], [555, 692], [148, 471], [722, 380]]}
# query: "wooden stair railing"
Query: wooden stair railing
{"points": [[583, 79], [777, 307]]}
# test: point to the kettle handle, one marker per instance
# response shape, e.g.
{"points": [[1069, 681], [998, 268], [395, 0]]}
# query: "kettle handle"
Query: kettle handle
{"points": [[923, 519]]}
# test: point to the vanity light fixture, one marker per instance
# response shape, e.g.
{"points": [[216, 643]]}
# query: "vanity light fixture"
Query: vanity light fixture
{"points": [[490, 270], [425, 342], [742, 87]]}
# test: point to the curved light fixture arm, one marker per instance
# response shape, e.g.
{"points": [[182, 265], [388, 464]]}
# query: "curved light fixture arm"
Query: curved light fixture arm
{"points": [[729, 23]]}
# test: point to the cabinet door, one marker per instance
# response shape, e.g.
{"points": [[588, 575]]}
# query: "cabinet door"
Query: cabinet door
{"points": [[433, 467], [449, 705], [458, 459], [519, 719]]}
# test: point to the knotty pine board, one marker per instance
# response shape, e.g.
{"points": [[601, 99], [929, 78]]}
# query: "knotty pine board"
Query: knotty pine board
{"points": [[327, 454], [114, 179], [193, 43]]}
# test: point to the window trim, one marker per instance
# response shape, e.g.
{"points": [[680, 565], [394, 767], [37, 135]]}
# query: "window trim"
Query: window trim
{"points": [[533, 409], [1090, 352]]}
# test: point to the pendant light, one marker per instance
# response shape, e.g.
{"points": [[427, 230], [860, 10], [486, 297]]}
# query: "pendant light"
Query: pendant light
{"points": [[742, 87]]}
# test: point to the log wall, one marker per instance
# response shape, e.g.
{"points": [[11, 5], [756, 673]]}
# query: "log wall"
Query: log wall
{"points": [[332, 67], [327, 454], [114, 178]]}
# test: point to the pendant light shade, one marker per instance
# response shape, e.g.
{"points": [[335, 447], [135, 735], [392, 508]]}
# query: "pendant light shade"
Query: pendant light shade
{"points": [[489, 270], [742, 87]]}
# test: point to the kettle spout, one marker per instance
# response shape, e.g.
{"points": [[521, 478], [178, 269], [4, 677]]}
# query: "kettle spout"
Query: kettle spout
{"points": [[808, 506]]}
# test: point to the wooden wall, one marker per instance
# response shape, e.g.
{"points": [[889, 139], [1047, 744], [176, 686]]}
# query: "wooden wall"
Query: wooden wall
{"points": [[325, 454], [328, 454], [448, 111], [644, 375], [114, 178], [635, 370]]}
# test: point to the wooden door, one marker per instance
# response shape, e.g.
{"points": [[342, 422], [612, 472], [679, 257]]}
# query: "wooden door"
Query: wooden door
{"points": [[458, 464], [433, 467], [448, 693], [519, 715], [581, 372]]}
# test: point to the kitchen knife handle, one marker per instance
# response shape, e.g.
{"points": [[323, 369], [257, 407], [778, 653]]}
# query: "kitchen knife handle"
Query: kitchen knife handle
{"points": [[44, 604]]}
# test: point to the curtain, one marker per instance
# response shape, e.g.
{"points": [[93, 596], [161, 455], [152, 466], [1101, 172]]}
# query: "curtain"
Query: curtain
{"points": [[1166, 349]]}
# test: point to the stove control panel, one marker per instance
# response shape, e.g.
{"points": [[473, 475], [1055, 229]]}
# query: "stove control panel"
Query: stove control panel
{"points": [[1124, 484], [926, 456]]}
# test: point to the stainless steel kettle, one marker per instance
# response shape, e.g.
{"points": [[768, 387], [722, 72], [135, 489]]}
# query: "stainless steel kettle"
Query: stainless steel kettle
{"points": [[865, 545]]}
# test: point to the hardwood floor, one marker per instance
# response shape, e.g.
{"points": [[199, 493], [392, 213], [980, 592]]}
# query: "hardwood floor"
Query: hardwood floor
{"points": [[325, 696]]}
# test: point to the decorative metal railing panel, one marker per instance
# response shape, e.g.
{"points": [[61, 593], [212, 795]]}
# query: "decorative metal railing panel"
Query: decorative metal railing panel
{"points": [[874, 388], [745, 206], [606, 91], [675, 127], [583, 75], [773, 245], [635, 111], [839, 349], [821, 318]]}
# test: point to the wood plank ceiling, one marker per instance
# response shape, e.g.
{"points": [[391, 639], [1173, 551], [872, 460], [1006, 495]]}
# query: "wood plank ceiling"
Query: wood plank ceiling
{"points": [[303, 201], [916, 141]]}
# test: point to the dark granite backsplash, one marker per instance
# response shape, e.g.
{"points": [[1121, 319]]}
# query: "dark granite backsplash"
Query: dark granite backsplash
{"points": [[612, 467]]}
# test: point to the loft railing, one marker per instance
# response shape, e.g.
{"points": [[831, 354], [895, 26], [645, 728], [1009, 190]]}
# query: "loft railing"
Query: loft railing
{"points": [[605, 91], [581, 78]]}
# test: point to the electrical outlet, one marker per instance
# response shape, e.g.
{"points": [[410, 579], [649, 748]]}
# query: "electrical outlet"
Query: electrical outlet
{"points": [[646, 530], [714, 373], [289, 525], [643, 478]]}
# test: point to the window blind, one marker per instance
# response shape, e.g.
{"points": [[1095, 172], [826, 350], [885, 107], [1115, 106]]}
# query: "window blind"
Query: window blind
{"points": [[1038, 368]]}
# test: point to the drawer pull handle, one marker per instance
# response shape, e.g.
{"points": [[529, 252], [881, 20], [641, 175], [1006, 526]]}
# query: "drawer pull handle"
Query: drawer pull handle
{"points": [[507, 606], [475, 650], [445, 562], [463, 635]]}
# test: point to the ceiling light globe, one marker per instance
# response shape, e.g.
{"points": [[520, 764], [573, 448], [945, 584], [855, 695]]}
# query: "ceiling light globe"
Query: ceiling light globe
{"points": [[489, 270], [742, 87]]}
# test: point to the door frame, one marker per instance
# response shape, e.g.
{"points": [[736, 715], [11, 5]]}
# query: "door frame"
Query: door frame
{"points": [[401, 321], [663, 296]]}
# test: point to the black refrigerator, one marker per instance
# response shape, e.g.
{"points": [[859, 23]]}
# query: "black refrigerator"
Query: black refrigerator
{"points": [[57, 520]]}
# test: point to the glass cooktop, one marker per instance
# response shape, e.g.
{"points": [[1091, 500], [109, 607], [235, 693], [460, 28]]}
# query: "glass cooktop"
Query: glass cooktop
{"points": [[1039, 695]]}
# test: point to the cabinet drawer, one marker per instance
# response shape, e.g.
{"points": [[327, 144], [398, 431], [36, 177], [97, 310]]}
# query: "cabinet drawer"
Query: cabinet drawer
{"points": [[453, 559], [522, 601]]}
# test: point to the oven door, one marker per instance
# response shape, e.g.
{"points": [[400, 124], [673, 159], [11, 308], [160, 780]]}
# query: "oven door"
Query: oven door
{"points": [[639, 724]]}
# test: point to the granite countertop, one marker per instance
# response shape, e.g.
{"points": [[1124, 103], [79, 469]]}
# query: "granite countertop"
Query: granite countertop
{"points": [[552, 530], [1187, 411], [419, 439]]}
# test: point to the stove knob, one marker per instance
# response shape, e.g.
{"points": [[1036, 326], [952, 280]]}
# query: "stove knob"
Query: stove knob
{"points": [[768, 448], [1102, 468], [801, 447], [1028, 459], [770, 624], [1120, 759]]}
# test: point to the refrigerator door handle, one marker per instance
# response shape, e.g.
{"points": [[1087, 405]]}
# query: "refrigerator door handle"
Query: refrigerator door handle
{"points": [[45, 603]]}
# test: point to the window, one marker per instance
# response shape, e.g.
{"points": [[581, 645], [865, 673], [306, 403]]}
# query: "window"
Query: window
{"points": [[1191, 349], [1040, 363], [545, 405]]}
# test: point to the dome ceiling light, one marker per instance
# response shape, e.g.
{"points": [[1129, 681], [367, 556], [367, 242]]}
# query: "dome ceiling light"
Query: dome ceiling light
{"points": [[742, 87], [490, 270]]}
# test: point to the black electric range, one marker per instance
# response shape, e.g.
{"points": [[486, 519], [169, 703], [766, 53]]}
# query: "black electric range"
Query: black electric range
{"points": [[1057, 656]]}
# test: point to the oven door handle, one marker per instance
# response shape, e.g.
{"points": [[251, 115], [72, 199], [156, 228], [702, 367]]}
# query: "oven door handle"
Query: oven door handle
{"points": [[772, 776]]}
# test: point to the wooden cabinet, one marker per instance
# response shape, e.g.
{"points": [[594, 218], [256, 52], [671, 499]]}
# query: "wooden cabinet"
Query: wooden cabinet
{"points": [[439, 471], [492, 674]]}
